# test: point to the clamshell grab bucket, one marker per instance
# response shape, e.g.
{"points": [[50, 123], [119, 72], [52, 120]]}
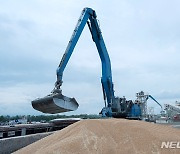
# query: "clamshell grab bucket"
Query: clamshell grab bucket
{"points": [[55, 103]]}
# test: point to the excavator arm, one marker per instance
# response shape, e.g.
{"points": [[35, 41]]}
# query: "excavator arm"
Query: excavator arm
{"points": [[72, 43], [88, 16]]}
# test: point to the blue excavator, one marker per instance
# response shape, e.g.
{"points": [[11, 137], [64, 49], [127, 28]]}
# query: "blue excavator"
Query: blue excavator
{"points": [[56, 102]]}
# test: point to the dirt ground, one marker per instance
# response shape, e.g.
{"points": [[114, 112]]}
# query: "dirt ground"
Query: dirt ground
{"points": [[107, 136]]}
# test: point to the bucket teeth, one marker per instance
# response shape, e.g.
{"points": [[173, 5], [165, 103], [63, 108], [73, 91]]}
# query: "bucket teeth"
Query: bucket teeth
{"points": [[55, 103]]}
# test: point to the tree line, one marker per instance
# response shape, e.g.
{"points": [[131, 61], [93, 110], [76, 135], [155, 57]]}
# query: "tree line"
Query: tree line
{"points": [[47, 118]]}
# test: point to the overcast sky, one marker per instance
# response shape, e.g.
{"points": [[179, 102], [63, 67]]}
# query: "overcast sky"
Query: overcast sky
{"points": [[142, 38]]}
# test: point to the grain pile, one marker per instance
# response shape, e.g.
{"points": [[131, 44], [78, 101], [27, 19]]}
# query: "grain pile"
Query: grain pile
{"points": [[107, 136]]}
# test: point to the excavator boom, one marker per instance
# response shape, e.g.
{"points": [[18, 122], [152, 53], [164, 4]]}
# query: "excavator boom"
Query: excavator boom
{"points": [[56, 102]]}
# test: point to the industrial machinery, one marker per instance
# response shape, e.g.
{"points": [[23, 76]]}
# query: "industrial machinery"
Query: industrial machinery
{"points": [[172, 112], [141, 99], [114, 106], [177, 103]]}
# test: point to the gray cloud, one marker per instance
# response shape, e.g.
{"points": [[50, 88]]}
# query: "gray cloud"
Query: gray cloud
{"points": [[142, 39]]}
